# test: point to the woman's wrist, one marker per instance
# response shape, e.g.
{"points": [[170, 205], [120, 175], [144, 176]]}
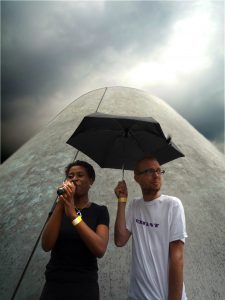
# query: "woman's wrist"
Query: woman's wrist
{"points": [[59, 205], [73, 215], [76, 220]]}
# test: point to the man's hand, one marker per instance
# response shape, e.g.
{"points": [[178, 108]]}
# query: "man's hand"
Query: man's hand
{"points": [[121, 190], [121, 234]]}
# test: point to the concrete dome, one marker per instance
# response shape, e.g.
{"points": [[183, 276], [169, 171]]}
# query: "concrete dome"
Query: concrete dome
{"points": [[30, 176]]}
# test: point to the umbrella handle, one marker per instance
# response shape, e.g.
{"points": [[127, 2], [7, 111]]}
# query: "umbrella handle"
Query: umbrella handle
{"points": [[123, 172]]}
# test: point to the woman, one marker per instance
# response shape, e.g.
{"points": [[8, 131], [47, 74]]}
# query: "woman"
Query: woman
{"points": [[77, 233]]}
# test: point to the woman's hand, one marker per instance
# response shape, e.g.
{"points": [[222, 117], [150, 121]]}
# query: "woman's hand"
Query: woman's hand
{"points": [[67, 198]]}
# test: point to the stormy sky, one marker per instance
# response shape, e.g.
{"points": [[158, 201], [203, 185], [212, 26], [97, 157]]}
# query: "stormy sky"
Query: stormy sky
{"points": [[52, 52]]}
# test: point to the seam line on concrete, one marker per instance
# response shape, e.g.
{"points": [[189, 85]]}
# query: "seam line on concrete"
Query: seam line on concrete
{"points": [[101, 99]]}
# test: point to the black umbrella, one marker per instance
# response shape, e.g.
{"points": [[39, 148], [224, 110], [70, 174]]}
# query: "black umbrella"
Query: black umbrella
{"points": [[118, 142]]}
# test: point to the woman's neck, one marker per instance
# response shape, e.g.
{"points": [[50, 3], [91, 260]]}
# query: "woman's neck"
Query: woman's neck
{"points": [[81, 202]]}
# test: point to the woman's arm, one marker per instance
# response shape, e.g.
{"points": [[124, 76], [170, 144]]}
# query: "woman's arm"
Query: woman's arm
{"points": [[96, 241], [51, 229]]}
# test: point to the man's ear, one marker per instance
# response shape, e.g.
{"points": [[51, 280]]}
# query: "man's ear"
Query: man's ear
{"points": [[136, 178]]}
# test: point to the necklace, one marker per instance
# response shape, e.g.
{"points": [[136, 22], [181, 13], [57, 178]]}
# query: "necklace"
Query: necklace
{"points": [[79, 210]]}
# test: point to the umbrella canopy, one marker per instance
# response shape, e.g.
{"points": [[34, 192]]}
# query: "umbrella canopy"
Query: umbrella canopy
{"points": [[118, 142]]}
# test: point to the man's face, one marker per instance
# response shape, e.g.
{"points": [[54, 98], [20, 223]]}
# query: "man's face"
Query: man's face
{"points": [[148, 175]]}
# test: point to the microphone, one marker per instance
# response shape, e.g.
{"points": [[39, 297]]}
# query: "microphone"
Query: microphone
{"points": [[60, 191]]}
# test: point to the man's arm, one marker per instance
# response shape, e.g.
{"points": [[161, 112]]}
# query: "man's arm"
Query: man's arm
{"points": [[176, 251], [121, 234]]}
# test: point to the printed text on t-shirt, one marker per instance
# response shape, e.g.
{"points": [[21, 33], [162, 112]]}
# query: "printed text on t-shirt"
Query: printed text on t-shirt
{"points": [[147, 223]]}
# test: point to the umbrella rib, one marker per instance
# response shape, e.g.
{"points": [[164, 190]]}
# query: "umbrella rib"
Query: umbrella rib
{"points": [[108, 149], [136, 140]]}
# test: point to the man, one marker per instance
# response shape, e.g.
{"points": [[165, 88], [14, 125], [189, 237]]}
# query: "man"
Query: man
{"points": [[157, 225]]}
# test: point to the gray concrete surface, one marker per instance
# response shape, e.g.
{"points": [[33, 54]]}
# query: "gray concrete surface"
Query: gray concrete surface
{"points": [[28, 181]]}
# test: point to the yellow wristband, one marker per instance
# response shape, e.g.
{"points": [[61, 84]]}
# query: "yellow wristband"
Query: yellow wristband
{"points": [[122, 199], [76, 221]]}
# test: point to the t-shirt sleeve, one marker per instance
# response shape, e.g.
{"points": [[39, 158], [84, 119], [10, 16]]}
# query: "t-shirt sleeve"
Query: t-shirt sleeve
{"points": [[103, 217], [178, 224]]}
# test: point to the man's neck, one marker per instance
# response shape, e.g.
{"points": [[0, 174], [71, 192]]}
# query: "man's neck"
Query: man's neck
{"points": [[151, 195]]}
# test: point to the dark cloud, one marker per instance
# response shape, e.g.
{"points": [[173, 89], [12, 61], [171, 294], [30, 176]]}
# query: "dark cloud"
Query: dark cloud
{"points": [[41, 41], [200, 100], [53, 52]]}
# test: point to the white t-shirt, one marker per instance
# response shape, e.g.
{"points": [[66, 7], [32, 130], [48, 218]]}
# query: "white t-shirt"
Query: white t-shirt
{"points": [[153, 225]]}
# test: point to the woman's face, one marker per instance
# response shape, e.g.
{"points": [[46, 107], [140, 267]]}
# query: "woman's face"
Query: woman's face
{"points": [[79, 176]]}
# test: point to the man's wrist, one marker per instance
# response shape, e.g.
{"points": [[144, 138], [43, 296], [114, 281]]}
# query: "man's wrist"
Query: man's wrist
{"points": [[122, 200]]}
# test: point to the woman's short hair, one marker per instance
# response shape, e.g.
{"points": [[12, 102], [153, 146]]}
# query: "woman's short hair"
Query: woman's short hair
{"points": [[89, 169]]}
